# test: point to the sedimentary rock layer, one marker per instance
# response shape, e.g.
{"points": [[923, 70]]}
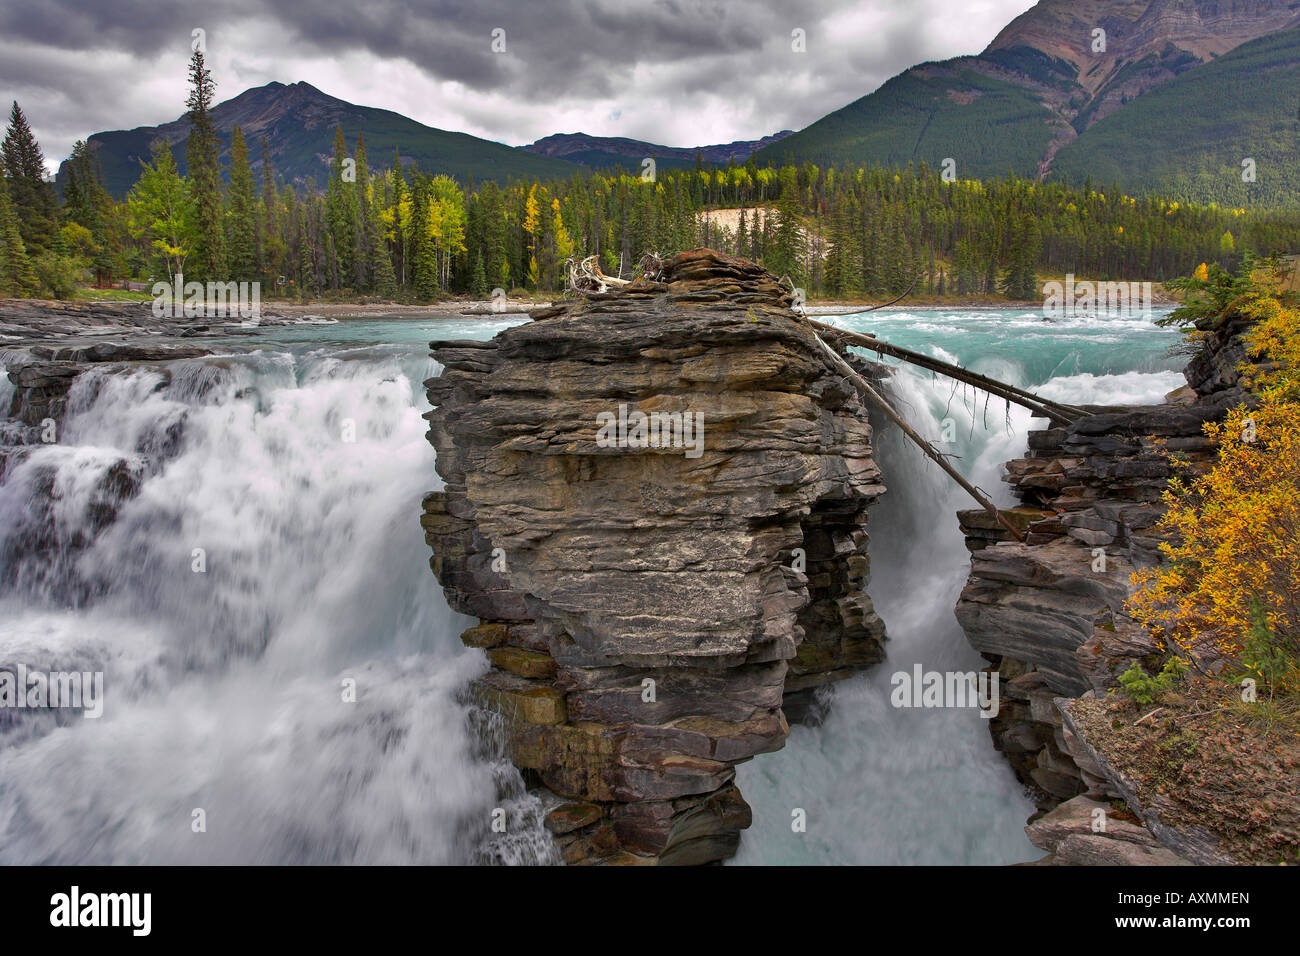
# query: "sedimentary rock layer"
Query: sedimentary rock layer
{"points": [[1049, 612], [646, 608]]}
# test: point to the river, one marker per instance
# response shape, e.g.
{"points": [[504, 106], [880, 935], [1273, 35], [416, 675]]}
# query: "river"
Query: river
{"points": [[284, 680]]}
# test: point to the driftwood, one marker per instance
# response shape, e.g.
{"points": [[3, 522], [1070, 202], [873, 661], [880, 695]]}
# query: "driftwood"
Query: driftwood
{"points": [[1056, 412], [875, 398], [874, 308], [1044, 408], [586, 276], [491, 308]]}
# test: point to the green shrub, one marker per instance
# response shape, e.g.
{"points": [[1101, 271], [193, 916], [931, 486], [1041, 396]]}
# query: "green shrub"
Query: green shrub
{"points": [[58, 274], [1144, 689]]}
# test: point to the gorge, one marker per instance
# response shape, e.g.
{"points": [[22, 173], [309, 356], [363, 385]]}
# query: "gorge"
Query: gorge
{"points": [[646, 623], [599, 599]]}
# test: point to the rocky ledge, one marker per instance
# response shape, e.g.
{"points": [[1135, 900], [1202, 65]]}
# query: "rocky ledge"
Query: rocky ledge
{"points": [[647, 611], [27, 321], [1048, 612]]}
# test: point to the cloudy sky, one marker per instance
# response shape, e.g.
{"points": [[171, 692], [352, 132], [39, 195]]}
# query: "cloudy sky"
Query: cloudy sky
{"points": [[675, 72]]}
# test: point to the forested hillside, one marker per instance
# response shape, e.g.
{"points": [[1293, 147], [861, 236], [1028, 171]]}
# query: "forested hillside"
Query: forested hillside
{"points": [[1161, 97], [987, 126], [1189, 138], [401, 229]]}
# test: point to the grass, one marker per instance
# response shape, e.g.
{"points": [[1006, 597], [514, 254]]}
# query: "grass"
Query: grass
{"points": [[90, 294]]}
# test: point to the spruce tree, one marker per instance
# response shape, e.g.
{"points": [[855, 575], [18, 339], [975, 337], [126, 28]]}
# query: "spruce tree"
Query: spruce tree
{"points": [[425, 252], [31, 197], [340, 212], [1020, 281], [16, 275], [363, 228], [202, 159], [785, 256], [270, 243], [241, 212], [88, 204], [379, 260], [478, 278]]}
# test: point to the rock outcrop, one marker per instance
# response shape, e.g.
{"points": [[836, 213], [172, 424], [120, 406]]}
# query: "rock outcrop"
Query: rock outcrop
{"points": [[1087, 832], [648, 608], [1049, 612], [26, 321]]}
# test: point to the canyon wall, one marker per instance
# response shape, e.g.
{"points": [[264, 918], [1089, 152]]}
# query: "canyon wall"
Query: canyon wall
{"points": [[650, 612], [1048, 612]]}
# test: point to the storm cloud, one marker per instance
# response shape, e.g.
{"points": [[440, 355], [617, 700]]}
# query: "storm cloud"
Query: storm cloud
{"points": [[675, 72]]}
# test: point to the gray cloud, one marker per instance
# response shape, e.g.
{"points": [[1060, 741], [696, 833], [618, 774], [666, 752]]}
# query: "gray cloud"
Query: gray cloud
{"points": [[680, 72]]}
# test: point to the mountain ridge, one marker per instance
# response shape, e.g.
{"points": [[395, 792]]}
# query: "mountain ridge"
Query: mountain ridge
{"points": [[606, 151], [299, 120], [1046, 77]]}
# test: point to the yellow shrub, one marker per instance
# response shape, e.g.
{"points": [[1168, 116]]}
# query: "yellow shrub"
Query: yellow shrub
{"points": [[1235, 554]]}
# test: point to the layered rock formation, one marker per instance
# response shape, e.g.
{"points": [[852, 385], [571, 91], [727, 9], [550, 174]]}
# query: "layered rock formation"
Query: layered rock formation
{"points": [[28, 321], [1049, 612], [646, 609]]}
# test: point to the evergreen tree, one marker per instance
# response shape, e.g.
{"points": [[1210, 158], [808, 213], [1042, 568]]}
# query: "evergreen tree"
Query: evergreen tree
{"points": [[341, 212], [402, 211], [207, 261], [241, 212], [31, 197], [271, 245], [785, 257], [363, 228], [425, 265], [1020, 281], [380, 217], [478, 278], [87, 204], [16, 275]]}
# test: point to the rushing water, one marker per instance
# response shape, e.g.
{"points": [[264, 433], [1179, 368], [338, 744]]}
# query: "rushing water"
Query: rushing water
{"points": [[885, 785], [268, 557], [271, 561]]}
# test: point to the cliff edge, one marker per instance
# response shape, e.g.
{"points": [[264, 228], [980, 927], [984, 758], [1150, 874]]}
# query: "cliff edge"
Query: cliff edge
{"points": [[656, 504]]}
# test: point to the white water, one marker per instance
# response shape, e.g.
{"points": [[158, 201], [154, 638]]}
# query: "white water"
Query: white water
{"points": [[885, 785], [224, 688]]}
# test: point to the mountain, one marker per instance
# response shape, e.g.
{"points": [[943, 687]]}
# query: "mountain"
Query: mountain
{"points": [[1042, 83], [1204, 123], [611, 152], [298, 122]]}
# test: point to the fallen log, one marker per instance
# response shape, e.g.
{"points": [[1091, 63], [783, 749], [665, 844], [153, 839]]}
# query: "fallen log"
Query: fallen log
{"points": [[491, 308], [1044, 408], [875, 398]]}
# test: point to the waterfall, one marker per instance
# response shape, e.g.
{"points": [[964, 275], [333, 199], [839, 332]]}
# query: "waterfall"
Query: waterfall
{"points": [[233, 543], [885, 785]]}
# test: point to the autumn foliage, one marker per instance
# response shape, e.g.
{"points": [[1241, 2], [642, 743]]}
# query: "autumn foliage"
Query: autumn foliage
{"points": [[1232, 570]]}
